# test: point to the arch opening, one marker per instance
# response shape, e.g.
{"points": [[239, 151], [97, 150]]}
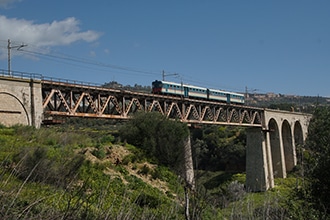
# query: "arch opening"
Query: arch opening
{"points": [[275, 146], [289, 151], [298, 140]]}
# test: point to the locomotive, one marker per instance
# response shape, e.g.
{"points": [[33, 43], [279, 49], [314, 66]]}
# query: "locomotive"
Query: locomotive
{"points": [[189, 91]]}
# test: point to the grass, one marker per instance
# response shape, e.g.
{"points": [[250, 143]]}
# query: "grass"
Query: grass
{"points": [[97, 188], [88, 193]]}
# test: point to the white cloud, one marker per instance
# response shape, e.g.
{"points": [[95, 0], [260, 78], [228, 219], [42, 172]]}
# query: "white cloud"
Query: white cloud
{"points": [[46, 35], [56, 33]]}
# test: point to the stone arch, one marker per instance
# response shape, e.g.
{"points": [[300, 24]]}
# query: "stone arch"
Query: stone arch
{"points": [[12, 110], [298, 134], [275, 146], [288, 148], [298, 139]]}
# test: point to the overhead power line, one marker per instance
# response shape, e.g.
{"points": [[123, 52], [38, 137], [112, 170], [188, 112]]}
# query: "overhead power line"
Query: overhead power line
{"points": [[71, 60], [86, 61]]}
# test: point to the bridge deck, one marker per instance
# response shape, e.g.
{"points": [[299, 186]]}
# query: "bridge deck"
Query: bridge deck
{"points": [[77, 100]]}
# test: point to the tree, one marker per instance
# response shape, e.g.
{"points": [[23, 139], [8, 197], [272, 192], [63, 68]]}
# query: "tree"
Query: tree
{"points": [[220, 148], [157, 136], [318, 160]]}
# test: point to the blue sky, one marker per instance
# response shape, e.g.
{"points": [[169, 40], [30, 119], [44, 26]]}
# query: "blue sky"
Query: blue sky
{"points": [[280, 46]]}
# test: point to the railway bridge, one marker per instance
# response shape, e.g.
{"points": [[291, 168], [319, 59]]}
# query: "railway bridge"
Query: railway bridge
{"points": [[272, 136]]}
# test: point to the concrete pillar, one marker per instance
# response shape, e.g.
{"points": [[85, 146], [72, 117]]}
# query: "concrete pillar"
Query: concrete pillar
{"points": [[281, 166], [256, 161], [188, 164], [36, 103], [269, 161]]}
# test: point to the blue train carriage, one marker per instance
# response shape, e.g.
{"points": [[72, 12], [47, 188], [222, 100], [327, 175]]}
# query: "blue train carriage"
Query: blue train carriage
{"points": [[219, 95], [237, 98], [171, 88], [224, 96], [164, 87], [195, 92]]}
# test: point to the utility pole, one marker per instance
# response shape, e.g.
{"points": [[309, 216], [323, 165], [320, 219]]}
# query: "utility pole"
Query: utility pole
{"points": [[168, 74], [9, 47]]}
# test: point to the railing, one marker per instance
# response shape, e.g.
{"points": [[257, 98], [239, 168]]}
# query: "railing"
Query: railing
{"points": [[20, 75], [38, 76], [69, 81]]}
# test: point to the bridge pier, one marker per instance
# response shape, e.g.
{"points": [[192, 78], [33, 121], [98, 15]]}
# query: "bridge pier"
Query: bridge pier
{"points": [[258, 172], [188, 164]]}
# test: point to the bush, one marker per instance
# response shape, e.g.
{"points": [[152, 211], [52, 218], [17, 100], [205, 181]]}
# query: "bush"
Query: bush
{"points": [[49, 165], [145, 199], [99, 152], [145, 170], [107, 139], [130, 158], [235, 191], [157, 136]]}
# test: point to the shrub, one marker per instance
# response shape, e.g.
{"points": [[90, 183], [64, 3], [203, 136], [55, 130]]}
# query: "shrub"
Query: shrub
{"points": [[157, 136], [99, 152], [50, 165], [130, 158], [235, 191], [145, 170], [106, 139], [145, 199]]}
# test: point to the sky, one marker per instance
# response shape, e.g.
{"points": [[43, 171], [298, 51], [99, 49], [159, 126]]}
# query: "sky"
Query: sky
{"points": [[259, 46]]}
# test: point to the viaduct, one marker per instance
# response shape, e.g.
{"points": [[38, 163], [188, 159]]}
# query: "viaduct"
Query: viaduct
{"points": [[272, 136]]}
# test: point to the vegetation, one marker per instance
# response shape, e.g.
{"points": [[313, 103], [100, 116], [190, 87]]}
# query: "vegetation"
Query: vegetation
{"points": [[100, 170], [295, 103], [219, 148], [52, 173], [136, 87], [160, 139], [317, 162]]}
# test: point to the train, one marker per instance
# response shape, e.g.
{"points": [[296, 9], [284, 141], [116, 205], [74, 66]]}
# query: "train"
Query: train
{"points": [[190, 91]]}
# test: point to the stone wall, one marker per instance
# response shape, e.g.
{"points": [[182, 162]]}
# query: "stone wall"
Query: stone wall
{"points": [[20, 101]]}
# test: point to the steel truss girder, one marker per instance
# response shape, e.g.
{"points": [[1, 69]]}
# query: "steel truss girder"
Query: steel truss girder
{"points": [[60, 99]]}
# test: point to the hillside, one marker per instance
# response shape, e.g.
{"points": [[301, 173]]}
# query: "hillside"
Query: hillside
{"points": [[287, 102], [82, 170], [55, 172]]}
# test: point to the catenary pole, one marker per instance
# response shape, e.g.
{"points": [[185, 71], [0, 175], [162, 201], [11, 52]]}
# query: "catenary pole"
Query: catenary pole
{"points": [[9, 47]]}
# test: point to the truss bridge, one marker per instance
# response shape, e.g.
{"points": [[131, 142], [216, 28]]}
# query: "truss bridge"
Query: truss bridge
{"points": [[75, 100]]}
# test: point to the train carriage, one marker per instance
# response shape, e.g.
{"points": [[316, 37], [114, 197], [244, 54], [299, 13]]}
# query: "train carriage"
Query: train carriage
{"points": [[189, 91]]}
